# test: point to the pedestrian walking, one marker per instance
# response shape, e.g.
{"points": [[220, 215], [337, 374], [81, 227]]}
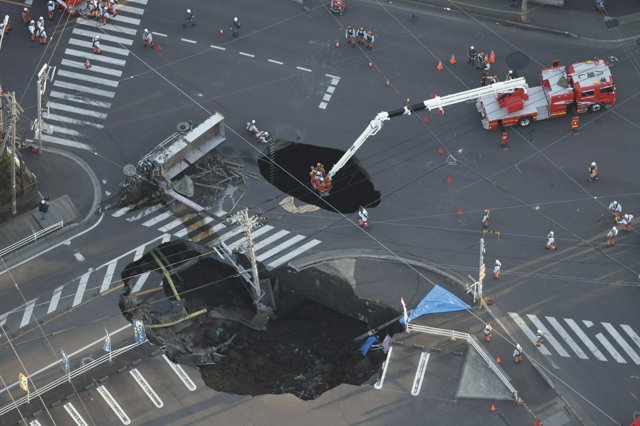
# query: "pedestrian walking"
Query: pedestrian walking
{"points": [[488, 332], [616, 209], [95, 45], [51, 7], [26, 16], [611, 236], [369, 39], [517, 354], [471, 55], [485, 218], [593, 172], [626, 222], [189, 18], [43, 208], [363, 217], [235, 27], [147, 38], [496, 269], [539, 339], [32, 30], [42, 36], [551, 241]]}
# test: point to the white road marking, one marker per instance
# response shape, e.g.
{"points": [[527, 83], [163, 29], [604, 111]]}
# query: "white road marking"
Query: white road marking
{"points": [[159, 34], [108, 276], [122, 211], [380, 382], [93, 57], [115, 407], [566, 337], [153, 396], [169, 226], [247, 54], [323, 105], [623, 343], [103, 37], [627, 329], [304, 69], [69, 120], [184, 377], [86, 89], [103, 47], [106, 27], [213, 46], [81, 111], [585, 339], [28, 311], [331, 89], [130, 9], [181, 233], [527, 331], [126, 19], [188, 41], [609, 347], [548, 337], [277, 249], [156, 219], [53, 305], [420, 372], [255, 234], [73, 413], [79, 99], [94, 68], [84, 77], [34, 423], [65, 130], [82, 285], [137, 1], [145, 212], [273, 61], [139, 252], [227, 235], [66, 142], [326, 97], [306, 246], [270, 239], [142, 278], [332, 76]]}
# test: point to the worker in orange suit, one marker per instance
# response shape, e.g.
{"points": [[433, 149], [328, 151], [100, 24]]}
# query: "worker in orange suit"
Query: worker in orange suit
{"points": [[488, 332], [26, 16], [611, 236], [497, 267]]}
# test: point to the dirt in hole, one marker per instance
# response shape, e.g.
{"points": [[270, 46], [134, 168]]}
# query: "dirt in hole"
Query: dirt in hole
{"points": [[306, 348]]}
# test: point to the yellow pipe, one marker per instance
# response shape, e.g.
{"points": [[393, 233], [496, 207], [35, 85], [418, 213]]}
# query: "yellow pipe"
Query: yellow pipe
{"points": [[169, 324], [166, 274]]}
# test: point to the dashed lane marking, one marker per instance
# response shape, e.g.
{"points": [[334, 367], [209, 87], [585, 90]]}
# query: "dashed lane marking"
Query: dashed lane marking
{"points": [[273, 61], [186, 40], [184, 377], [304, 69], [213, 46], [420, 372], [247, 54], [159, 34], [380, 382], [332, 76], [73, 413]]}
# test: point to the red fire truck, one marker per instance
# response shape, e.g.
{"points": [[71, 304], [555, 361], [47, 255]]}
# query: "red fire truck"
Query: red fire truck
{"points": [[583, 85]]}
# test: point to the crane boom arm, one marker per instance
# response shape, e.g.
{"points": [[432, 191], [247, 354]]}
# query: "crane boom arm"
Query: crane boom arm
{"points": [[436, 102]]}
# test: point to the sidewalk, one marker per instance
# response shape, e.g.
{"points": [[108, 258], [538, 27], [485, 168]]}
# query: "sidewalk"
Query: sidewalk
{"points": [[577, 19]]}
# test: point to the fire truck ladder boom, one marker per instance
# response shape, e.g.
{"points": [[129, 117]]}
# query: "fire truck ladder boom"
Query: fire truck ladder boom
{"points": [[436, 102]]}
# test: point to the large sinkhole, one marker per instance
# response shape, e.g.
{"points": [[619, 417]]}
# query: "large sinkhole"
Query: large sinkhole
{"points": [[286, 166], [306, 347]]}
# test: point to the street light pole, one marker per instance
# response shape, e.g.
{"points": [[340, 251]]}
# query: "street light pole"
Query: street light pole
{"points": [[43, 76], [14, 119], [482, 272], [523, 16]]}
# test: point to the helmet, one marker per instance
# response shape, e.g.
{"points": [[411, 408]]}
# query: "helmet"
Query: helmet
{"points": [[593, 164], [626, 216], [538, 332], [97, 37], [615, 202], [551, 233], [146, 30], [253, 121], [32, 22], [26, 10], [188, 10], [518, 347], [614, 229], [235, 19], [472, 48], [510, 71]]}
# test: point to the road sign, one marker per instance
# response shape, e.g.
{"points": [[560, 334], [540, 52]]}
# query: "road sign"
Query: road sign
{"points": [[138, 328]]}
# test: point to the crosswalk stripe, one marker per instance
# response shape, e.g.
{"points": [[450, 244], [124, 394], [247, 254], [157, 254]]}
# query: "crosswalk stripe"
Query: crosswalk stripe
{"points": [[86, 89], [585, 339], [65, 130], [69, 120], [205, 221], [92, 57], [89, 78], [76, 110], [108, 276], [66, 142], [79, 99], [156, 219], [527, 331], [130, 9], [548, 337], [28, 311], [107, 37], [567, 338], [82, 285], [177, 222], [623, 343], [142, 278], [632, 334], [104, 47], [138, 254], [227, 235], [126, 19], [609, 347], [106, 27], [270, 239], [137, 1], [94, 68], [255, 234], [208, 232], [53, 305], [140, 214], [277, 249], [306, 246]]}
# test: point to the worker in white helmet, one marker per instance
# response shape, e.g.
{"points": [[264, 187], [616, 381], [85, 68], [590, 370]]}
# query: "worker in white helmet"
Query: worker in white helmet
{"points": [[510, 75], [235, 27], [147, 38], [26, 16], [551, 241], [517, 354], [488, 332], [471, 55], [626, 222], [593, 172], [95, 45], [51, 7], [189, 18], [616, 209], [497, 267], [539, 339], [611, 236]]}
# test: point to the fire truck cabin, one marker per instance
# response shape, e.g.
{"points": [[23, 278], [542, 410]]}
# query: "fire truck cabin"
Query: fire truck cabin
{"points": [[586, 85]]}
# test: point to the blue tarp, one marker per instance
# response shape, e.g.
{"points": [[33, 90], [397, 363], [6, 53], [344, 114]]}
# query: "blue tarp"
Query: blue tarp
{"points": [[371, 340], [436, 301]]}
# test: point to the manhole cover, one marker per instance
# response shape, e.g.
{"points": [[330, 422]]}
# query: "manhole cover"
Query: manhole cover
{"points": [[517, 60], [129, 170]]}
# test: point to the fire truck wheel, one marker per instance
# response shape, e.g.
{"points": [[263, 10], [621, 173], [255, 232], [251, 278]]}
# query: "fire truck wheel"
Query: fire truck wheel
{"points": [[524, 121], [596, 107]]}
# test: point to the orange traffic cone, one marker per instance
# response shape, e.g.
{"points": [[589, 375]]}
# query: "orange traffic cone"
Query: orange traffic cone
{"points": [[498, 360], [337, 45], [158, 47], [439, 67], [452, 60], [221, 32], [493, 408], [492, 57], [87, 64]]}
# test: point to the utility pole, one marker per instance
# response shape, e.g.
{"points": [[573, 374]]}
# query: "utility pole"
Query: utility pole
{"points": [[43, 77], [482, 273], [523, 15], [14, 155]]}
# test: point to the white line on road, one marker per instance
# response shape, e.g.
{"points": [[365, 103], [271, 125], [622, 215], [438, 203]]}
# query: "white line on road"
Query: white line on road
{"points": [[548, 337], [585, 339], [609, 347], [106, 27], [186, 40], [115, 407], [527, 331], [66, 142], [304, 69], [82, 285], [26, 317], [103, 37], [175, 223], [420, 371], [181, 233], [92, 57], [306, 246], [213, 46], [326, 97], [139, 214], [255, 234], [270, 239], [156, 219], [80, 111], [103, 47], [69, 120], [139, 252], [137, 1], [159, 34], [332, 76], [567, 338], [273, 61], [108, 276], [126, 19], [73, 413], [623, 343], [79, 99], [153, 396], [130, 9], [53, 305], [631, 333], [89, 78], [323, 105], [142, 278], [277, 249], [247, 54], [380, 382], [34, 423], [331, 89], [86, 89], [181, 374]]}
